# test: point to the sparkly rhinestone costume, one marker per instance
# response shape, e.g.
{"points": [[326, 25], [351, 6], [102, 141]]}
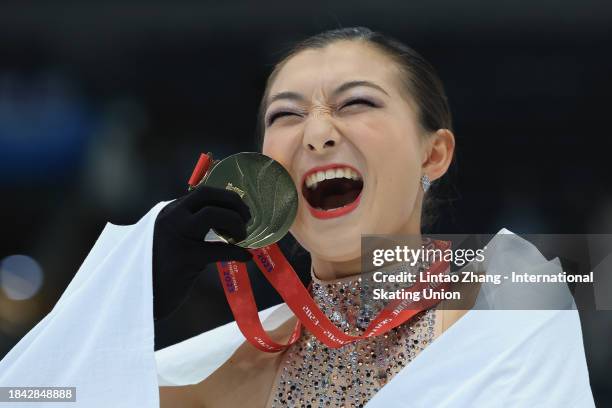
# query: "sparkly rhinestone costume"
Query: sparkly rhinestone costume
{"points": [[313, 375]]}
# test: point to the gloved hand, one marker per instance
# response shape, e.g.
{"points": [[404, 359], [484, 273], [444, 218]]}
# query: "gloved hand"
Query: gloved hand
{"points": [[179, 250]]}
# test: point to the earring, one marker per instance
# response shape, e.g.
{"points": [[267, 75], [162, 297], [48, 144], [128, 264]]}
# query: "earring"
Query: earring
{"points": [[425, 182]]}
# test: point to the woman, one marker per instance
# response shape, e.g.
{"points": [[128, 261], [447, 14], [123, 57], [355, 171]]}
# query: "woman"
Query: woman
{"points": [[343, 103], [345, 99], [362, 125]]}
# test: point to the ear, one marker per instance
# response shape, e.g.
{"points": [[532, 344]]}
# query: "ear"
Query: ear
{"points": [[438, 153]]}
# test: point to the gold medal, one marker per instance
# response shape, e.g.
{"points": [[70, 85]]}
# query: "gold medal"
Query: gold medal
{"points": [[266, 187]]}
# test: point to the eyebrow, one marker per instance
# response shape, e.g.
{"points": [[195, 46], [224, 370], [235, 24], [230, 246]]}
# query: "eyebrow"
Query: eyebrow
{"points": [[295, 96], [352, 84]]}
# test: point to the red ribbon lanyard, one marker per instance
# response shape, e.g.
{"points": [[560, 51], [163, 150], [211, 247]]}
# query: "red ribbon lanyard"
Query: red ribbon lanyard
{"points": [[275, 267]]}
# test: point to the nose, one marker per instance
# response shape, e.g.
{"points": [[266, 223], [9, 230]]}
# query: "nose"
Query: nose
{"points": [[319, 135]]}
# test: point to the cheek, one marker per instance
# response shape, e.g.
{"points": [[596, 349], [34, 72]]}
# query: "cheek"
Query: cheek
{"points": [[393, 154], [394, 207], [380, 136], [390, 146], [400, 164], [279, 148]]}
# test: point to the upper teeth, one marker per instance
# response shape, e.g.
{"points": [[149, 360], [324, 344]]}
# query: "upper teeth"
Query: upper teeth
{"points": [[339, 172]]}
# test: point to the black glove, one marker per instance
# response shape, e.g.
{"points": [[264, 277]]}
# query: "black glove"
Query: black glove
{"points": [[179, 250]]}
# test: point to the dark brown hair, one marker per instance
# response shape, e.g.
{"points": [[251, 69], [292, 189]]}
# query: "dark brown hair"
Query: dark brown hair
{"points": [[421, 83]]}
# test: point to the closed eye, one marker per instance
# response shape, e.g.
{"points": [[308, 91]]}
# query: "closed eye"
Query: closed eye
{"points": [[277, 115], [358, 101]]}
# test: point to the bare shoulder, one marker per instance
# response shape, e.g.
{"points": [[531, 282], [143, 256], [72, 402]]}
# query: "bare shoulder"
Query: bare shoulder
{"points": [[248, 375], [181, 396]]}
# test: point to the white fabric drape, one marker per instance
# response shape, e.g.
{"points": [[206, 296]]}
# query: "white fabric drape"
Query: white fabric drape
{"points": [[99, 338]]}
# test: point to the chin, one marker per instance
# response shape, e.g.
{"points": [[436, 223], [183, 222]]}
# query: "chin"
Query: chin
{"points": [[333, 246]]}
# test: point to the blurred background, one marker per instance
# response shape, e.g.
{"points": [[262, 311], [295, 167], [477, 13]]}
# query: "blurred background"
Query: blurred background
{"points": [[105, 106]]}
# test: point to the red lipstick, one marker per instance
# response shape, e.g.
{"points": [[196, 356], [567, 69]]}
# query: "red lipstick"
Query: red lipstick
{"points": [[335, 212]]}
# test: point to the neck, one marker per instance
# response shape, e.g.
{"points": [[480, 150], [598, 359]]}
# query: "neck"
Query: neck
{"points": [[326, 270], [330, 270]]}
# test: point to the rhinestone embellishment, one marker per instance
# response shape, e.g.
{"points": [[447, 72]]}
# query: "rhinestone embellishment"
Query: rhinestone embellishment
{"points": [[313, 375]]}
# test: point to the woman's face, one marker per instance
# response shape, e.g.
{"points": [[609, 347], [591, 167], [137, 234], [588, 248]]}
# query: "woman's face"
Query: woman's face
{"points": [[338, 122]]}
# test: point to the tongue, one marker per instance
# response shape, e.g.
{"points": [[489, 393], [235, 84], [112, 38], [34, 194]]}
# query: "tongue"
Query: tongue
{"points": [[339, 200]]}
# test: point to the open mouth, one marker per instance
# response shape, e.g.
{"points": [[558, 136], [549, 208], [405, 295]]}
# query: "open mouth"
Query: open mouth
{"points": [[332, 190]]}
